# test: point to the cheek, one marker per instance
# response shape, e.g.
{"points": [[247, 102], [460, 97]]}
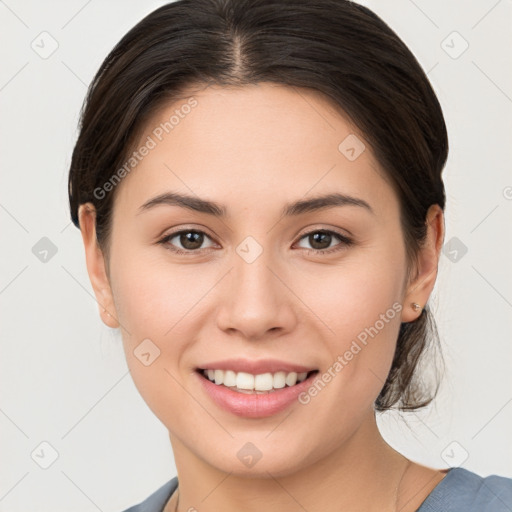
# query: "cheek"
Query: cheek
{"points": [[158, 306], [352, 297], [155, 309], [359, 305], [152, 298]]}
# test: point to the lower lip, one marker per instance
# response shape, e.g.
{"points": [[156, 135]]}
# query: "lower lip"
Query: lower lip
{"points": [[254, 405]]}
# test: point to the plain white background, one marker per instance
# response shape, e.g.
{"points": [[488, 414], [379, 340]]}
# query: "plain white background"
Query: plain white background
{"points": [[63, 376]]}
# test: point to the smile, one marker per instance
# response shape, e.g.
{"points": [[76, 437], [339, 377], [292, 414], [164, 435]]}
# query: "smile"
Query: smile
{"points": [[262, 383], [254, 395]]}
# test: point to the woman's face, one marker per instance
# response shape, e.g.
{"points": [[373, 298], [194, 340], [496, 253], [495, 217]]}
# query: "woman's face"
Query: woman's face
{"points": [[250, 286]]}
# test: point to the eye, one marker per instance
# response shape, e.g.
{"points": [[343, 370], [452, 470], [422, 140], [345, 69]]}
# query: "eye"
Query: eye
{"points": [[321, 239], [190, 239]]}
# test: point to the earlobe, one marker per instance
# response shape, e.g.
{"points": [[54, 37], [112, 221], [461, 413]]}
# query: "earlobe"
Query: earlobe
{"points": [[419, 290], [96, 265]]}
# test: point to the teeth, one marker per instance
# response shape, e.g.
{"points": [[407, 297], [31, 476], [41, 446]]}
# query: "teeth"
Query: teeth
{"points": [[229, 378], [280, 380], [291, 379], [243, 380], [263, 382], [247, 383]]}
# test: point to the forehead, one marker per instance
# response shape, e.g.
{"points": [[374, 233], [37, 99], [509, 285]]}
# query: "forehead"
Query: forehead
{"points": [[264, 142]]}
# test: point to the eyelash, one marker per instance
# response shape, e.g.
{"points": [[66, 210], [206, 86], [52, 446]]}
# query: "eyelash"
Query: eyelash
{"points": [[345, 242]]}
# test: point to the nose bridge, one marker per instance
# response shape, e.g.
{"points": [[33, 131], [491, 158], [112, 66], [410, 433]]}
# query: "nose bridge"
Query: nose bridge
{"points": [[256, 300], [253, 283]]}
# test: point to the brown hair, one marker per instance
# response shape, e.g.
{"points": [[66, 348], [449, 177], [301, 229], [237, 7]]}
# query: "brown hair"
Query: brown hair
{"points": [[337, 47]]}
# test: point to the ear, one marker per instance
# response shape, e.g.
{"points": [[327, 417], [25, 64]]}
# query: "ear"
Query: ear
{"points": [[421, 286], [96, 265]]}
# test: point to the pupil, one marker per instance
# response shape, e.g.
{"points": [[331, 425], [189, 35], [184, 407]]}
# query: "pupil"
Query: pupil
{"points": [[191, 240], [317, 238]]}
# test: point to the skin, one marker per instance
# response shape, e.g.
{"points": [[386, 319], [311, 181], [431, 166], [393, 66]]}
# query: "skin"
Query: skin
{"points": [[253, 149]]}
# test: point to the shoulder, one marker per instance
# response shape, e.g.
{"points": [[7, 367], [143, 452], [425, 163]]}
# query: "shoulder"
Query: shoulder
{"points": [[462, 490], [157, 500]]}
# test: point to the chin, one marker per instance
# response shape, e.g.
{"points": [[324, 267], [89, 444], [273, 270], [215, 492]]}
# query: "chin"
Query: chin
{"points": [[261, 458]]}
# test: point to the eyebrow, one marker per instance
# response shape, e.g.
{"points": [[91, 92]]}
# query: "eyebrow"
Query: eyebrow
{"points": [[291, 209]]}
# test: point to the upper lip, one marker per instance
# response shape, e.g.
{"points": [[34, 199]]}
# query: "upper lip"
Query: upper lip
{"points": [[256, 367]]}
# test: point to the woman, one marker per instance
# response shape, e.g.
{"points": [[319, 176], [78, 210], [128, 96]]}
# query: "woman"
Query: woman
{"points": [[258, 187]]}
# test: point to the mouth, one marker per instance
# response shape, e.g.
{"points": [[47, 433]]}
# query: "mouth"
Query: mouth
{"points": [[254, 388], [255, 384]]}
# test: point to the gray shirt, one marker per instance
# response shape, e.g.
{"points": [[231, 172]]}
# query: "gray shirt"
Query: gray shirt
{"points": [[459, 491]]}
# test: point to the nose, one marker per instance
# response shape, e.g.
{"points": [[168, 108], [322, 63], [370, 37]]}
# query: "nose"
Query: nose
{"points": [[256, 300]]}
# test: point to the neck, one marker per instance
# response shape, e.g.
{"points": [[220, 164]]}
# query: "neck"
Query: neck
{"points": [[362, 473]]}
